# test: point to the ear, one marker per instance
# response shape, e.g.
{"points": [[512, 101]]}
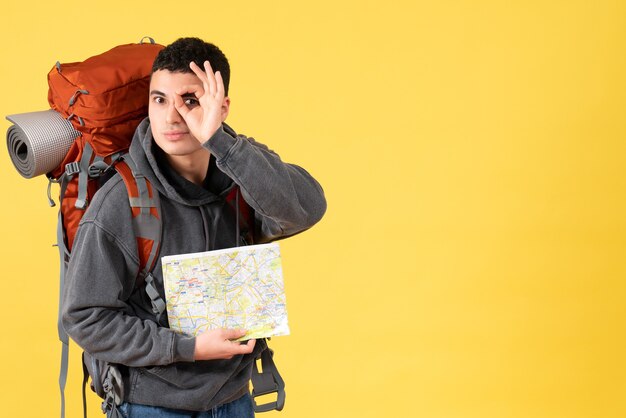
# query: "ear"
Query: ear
{"points": [[225, 108]]}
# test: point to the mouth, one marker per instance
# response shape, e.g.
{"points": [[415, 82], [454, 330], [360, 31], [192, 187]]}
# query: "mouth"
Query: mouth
{"points": [[174, 135]]}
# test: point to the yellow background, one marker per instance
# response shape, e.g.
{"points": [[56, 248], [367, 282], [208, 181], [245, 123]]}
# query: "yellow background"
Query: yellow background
{"points": [[471, 262]]}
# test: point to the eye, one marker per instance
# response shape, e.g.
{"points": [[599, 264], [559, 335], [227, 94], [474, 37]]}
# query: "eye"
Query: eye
{"points": [[158, 99], [191, 102]]}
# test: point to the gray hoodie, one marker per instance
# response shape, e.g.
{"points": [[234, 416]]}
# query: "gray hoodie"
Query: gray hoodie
{"points": [[110, 318]]}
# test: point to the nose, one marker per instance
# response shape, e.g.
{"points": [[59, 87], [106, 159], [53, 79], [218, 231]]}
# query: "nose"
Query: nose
{"points": [[172, 116]]}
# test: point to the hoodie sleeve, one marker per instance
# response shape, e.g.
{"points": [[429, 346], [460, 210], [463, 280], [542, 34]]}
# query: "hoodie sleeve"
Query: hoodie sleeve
{"points": [[94, 309], [285, 197]]}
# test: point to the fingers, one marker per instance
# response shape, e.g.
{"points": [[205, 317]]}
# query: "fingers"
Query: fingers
{"points": [[246, 348], [220, 344], [249, 346], [201, 75], [213, 82], [184, 93], [188, 89], [220, 85], [179, 104], [207, 77], [211, 78], [233, 334]]}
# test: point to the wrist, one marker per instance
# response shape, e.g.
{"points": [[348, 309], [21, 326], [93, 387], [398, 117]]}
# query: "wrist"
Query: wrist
{"points": [[184, 348], [210, 134], [220, 143]]}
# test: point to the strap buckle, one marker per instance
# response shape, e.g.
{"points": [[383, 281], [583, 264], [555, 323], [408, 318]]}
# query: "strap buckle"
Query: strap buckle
{"points": [[267, 382], [113, 387], [97, 168], [72, 168], [158, 304]]}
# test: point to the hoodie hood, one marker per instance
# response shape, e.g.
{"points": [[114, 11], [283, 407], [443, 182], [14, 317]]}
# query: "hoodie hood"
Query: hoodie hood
{"points": [[151, 162]]}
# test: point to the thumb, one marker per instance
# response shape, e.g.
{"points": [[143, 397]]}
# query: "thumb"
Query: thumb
{"points": [[233, 334]]}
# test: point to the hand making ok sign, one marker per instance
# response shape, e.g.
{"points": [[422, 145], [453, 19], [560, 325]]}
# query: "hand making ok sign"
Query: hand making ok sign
{"points": [[205, 107]]}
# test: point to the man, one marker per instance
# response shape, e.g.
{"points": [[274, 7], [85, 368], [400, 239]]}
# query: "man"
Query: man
{"points": [[193, 160]]}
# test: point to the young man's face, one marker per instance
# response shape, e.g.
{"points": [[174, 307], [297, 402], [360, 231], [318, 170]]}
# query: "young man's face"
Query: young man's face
{"points": [[169, 129]]}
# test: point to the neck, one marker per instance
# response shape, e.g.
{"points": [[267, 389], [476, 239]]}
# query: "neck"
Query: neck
{"points": [[192, 167]]}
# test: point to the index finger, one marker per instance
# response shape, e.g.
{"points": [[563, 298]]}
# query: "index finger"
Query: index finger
{"points": [[190, 89], [207, 77], [201, 75]]}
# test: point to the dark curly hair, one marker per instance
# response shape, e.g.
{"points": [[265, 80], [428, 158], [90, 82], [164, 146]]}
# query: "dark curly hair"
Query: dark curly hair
{"points": [[176, 58]]}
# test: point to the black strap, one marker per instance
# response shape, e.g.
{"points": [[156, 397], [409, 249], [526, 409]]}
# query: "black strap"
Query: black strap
{"points": [[237, 237], [269, 380], [266, 382]]}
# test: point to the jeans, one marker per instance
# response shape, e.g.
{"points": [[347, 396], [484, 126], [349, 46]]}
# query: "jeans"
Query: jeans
{"points": [[239, 408]]}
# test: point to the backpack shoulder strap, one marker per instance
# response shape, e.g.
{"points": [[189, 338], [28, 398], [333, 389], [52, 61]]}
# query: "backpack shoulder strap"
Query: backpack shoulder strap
{"points": [[146, 210], [244, 217], [147, 224], [267, 381]]}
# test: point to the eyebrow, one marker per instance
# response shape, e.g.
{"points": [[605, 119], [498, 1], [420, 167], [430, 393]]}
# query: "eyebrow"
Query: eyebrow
{"points": [[160, 93]]}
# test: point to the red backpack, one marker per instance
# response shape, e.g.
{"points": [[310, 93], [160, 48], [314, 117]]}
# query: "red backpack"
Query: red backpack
{"points": [[105, 99]]}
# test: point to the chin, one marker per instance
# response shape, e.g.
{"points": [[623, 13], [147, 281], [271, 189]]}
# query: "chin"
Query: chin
{"points": [[187, 149]]}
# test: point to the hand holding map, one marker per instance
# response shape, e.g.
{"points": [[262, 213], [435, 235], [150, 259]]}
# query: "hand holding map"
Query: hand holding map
{"points": [[217, 344]]}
